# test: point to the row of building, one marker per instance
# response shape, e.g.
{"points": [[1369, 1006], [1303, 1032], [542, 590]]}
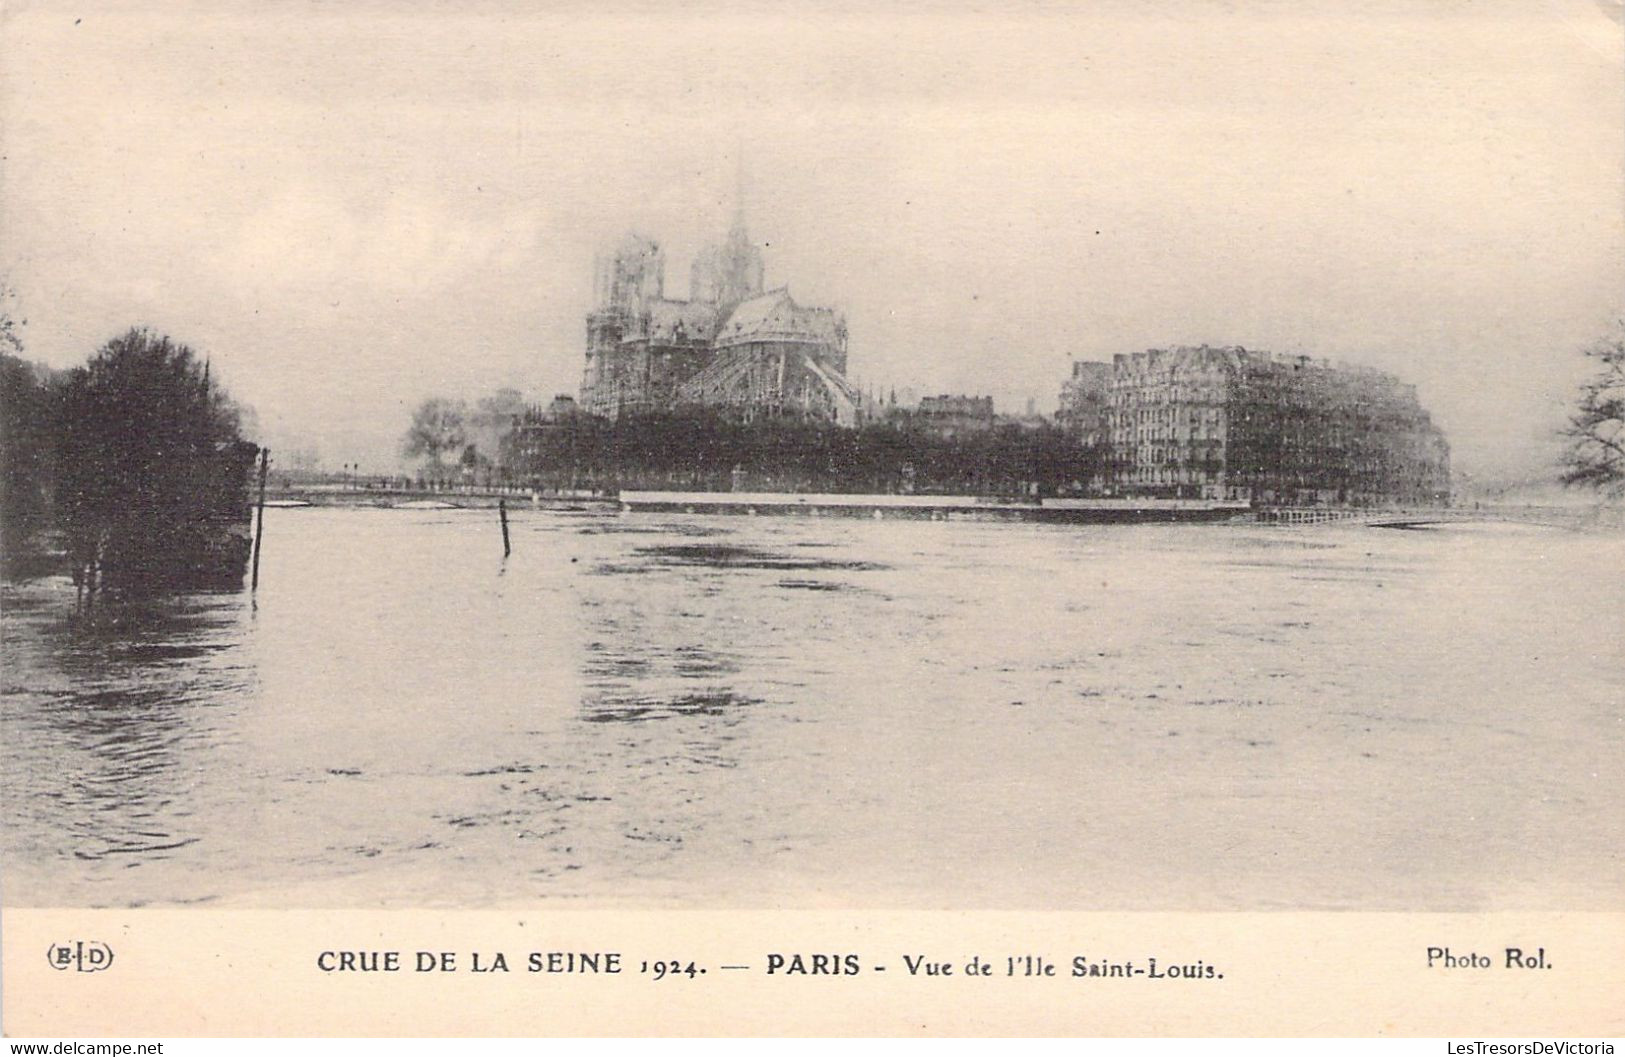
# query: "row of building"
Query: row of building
{"points": [[1229, 422], [1235, 423]]}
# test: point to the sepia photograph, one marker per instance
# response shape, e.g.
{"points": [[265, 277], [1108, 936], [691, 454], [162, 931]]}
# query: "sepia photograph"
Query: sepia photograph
{"points": [[1111, 457]]}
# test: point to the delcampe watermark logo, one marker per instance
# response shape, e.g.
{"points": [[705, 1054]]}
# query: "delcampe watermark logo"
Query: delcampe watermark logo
{"points": [[91, 957]]}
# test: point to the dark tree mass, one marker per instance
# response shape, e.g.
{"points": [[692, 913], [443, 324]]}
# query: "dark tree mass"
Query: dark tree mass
{"points": [[26, 443], [140, 461], [700, 449]]}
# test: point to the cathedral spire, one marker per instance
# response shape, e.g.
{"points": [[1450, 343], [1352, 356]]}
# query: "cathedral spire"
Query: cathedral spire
{"points": [[741, 265], [739, 186], [729, 271]]}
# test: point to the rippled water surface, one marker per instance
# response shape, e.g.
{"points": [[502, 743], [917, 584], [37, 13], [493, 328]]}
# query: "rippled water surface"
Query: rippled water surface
{"points": [[687, 710]]}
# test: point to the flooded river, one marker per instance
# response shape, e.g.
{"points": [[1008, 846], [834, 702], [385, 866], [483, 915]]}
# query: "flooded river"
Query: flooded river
{"points": [[669, 710]]}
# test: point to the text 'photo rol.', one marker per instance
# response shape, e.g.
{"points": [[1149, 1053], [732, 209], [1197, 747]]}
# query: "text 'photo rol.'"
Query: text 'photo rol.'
{"points": [[889, 516]]}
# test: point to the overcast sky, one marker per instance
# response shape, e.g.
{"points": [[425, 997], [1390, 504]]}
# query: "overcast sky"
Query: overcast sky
{"points": [[350, 207]]}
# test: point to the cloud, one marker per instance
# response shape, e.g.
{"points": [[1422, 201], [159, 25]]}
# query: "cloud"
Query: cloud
{"points": [[410, 242], [353, 208]]}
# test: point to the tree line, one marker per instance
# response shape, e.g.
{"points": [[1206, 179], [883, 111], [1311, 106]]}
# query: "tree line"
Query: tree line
{"points": [[702, 449]]}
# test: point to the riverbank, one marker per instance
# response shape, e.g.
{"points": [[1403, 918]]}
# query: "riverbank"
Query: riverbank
{"points": [[933, 507], [1579, 515], [471, 497]]}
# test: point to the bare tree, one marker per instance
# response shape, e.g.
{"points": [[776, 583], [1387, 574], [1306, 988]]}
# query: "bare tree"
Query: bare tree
{"points": [[439, 427], [1596, 430]]}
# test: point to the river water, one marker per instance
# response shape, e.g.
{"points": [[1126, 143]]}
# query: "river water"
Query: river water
{"points": [[670, 710]]}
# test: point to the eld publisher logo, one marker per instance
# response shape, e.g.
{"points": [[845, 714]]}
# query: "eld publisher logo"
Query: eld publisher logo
{"points": [[84, 957]]}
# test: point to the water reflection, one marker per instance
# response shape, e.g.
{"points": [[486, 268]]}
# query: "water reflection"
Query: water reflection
{"points": [[629, 708], [117, 699], [734, 556], [681, 709], [630, 676]]}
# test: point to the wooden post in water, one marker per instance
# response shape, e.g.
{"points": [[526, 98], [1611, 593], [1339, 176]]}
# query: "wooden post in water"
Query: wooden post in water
{"points": [[502, 512], [259, 525]]}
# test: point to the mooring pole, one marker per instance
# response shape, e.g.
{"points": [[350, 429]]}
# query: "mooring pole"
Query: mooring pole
{"points": [[502, 512], [259, 524]]}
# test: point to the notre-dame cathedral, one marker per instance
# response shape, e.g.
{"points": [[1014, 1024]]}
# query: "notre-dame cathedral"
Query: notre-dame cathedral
{"points": [[732, 345]]}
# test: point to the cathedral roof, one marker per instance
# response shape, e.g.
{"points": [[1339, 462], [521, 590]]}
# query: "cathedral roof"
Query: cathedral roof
{"points": [[775, 316], [695, 319]]}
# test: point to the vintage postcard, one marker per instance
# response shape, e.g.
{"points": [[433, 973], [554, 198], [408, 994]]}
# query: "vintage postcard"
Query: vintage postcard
{"points": [[827, 518]]}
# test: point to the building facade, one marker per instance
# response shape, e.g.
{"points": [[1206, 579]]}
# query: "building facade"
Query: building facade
{"points": [[950, 416], [1233, 423], [1083, 402], [731, 345]]}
